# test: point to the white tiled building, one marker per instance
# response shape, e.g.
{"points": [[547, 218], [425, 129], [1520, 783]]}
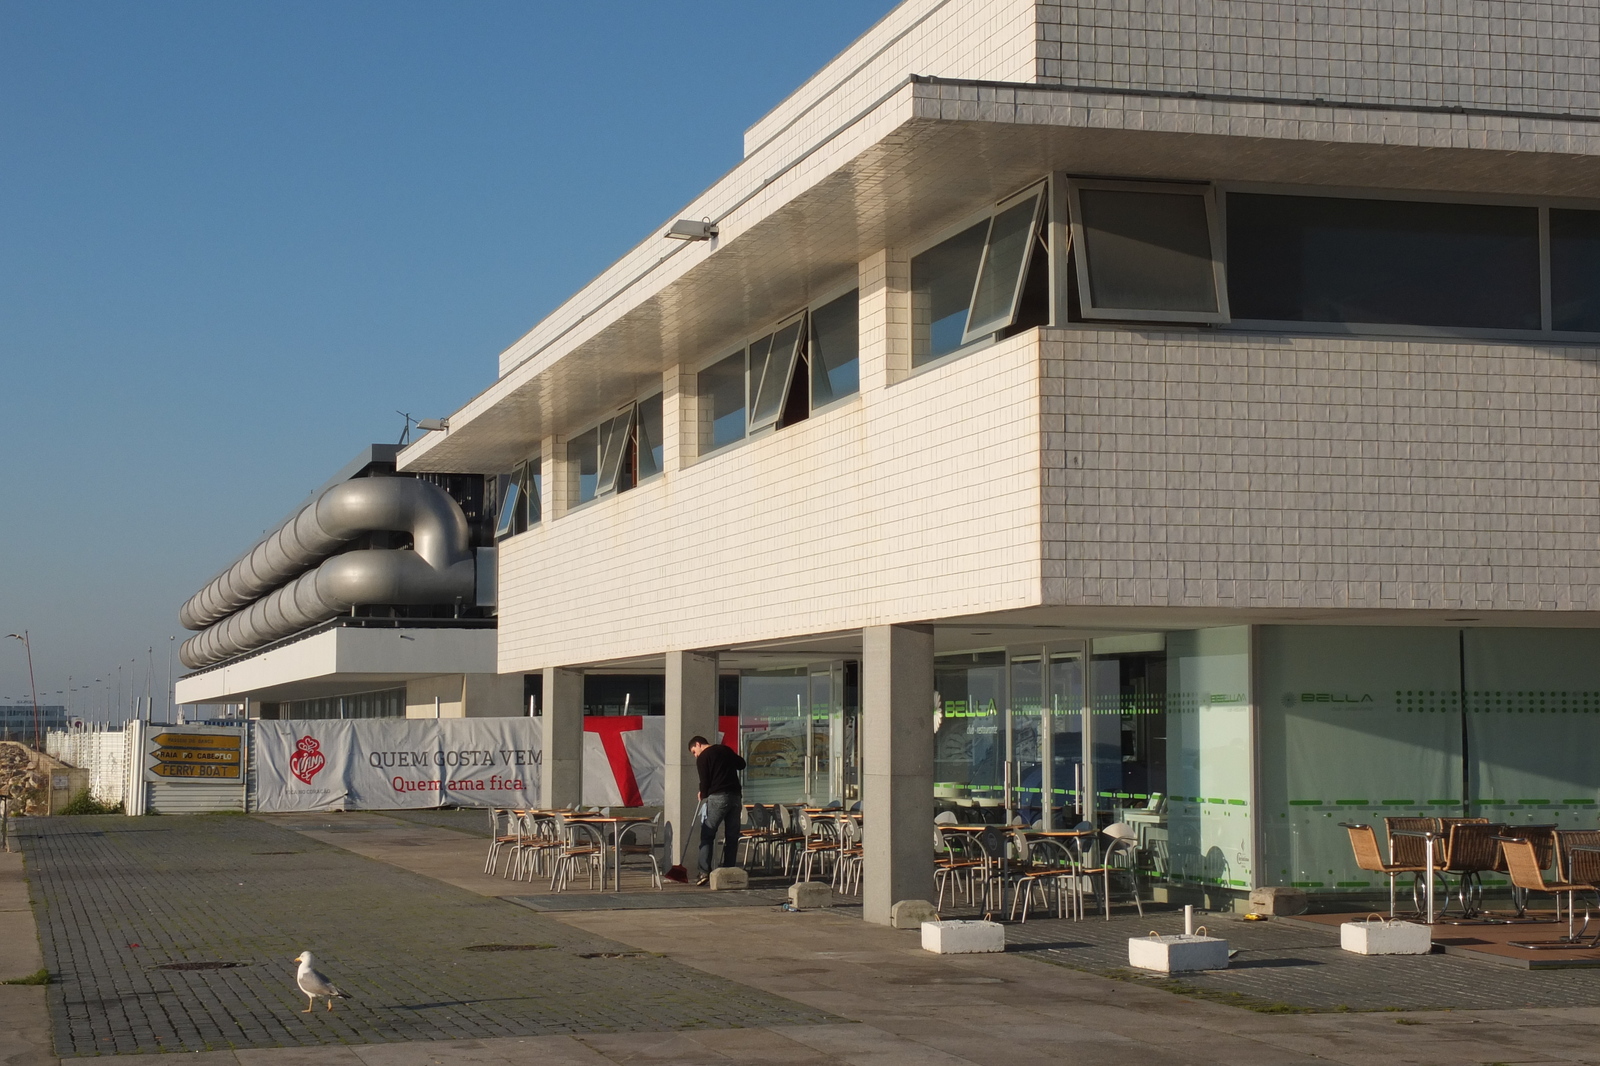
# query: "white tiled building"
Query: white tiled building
{"points": [[1176, 413]]}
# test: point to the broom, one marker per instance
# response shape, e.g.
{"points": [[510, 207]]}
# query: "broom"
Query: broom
{"points": [[678, 873]]}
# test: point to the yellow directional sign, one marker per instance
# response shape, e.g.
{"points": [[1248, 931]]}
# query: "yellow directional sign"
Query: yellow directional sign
{"points": [[185, 755], [194, 770], [202, 741]]}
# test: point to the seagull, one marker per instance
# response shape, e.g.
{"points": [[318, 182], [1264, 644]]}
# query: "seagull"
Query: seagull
{"points": [[314, 984]]}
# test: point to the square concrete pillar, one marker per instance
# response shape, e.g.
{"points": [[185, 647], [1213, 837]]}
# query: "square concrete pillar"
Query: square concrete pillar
{"points": [[886, 311], [897, 767], [680, 419], [561, 772], [691, 710], [555, 489]]}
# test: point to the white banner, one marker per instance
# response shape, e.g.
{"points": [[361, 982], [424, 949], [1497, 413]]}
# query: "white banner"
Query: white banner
{"points": [[394, 763], [377, 764]]}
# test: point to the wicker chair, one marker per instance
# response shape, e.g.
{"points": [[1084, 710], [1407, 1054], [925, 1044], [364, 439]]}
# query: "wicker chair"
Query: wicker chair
{"points": [[1471, 847], [1522, 863], [1412, 851], [1364, 842]]}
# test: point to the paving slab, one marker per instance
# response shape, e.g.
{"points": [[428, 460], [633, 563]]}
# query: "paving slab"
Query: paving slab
{"points": [[231, 901]]}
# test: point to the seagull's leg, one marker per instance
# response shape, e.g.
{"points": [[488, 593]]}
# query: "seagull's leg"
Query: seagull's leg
{"points": [[330, 1003], [311, 1003]]}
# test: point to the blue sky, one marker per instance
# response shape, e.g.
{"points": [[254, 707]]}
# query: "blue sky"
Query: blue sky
{"points": [[236, 237]]}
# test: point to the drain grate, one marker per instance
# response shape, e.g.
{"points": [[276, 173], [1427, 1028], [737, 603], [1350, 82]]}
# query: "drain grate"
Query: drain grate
{"points": [[508, 947], [614, 955], [199, 965]]}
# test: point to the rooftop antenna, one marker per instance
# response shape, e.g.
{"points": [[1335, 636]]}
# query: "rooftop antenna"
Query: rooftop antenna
{"points": [[405, 434]]}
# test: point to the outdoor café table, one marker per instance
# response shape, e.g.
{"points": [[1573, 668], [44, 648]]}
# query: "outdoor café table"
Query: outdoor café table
{"points": [[617, 823], [1428, 836]]}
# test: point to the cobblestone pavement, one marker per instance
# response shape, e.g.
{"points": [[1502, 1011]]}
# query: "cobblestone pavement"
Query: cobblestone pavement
{"points": [[119, 898], [1299, 965]]}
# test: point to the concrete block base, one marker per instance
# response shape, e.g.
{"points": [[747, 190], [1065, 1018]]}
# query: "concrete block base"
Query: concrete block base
{"points": [[963, 938], [729, 877], [1278, 902], [1386, 938], [809, 895], [1178, 953], [911, 913]]}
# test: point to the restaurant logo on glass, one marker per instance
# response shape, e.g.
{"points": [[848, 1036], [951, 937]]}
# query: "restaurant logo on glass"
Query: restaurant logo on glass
{"points": [[198, 756]]}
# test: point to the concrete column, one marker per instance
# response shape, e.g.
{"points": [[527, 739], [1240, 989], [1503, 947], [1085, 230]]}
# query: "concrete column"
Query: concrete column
{"points": [[691, 711], [561, 773], [885, 279], [897, 766], [555, 492], [680, 419]]}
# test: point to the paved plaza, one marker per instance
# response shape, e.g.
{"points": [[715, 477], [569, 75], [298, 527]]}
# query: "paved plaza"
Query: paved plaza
{"points": [[393, 905], [176, 934]]}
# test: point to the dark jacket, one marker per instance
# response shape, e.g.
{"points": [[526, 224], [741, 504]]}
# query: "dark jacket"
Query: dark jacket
{"points": [[719, 767]]}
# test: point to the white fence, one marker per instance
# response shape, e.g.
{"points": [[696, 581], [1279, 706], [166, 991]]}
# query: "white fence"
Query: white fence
{"points": [[103, 752]]}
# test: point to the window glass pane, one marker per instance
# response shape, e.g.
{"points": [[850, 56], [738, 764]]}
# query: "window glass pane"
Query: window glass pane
{"points": [[941, 291], [649, 436], [1147, 251], [1010, 241], [757, 367], [615, 436], [533, 491], [774, 381], [721, 388], [583, 452], [1575, 270], [835, 349], [1328, 259], [508, 510]]}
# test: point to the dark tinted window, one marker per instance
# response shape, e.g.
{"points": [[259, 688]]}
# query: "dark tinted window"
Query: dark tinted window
{"points": [[835, 349], [1327, 259], [941, 291], [1575, 270]]}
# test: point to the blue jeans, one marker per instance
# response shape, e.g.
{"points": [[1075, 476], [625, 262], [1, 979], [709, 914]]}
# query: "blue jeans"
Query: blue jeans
{"points": [[722, 810]]}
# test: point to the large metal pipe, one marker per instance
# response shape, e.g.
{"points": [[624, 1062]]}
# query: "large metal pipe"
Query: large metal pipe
{"points": [[333, 519], [250, 604]]}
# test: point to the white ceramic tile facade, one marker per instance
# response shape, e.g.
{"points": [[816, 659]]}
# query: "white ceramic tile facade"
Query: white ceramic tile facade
{"points": [[1187, 470], [1537, 55], [916, 501]]}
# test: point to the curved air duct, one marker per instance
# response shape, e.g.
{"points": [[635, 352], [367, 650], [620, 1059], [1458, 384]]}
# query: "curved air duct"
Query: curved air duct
{"points": [[249, 604]]}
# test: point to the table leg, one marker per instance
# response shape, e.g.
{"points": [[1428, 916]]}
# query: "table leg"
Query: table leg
{"points": [[1429, 843]]}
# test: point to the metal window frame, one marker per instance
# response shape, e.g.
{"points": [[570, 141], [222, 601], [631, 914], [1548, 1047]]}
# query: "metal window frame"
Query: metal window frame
{"points": [[1039, 192], [1207, 193], [616, 433], [784, 380]]}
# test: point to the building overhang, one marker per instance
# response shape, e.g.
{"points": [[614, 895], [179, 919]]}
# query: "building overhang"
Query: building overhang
{"points": [[795, 221], [341, 660]]}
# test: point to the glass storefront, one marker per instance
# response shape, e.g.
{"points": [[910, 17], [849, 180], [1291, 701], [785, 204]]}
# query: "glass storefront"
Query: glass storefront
{"points": [[1233, 752], [1363, 723], [797, 731]]}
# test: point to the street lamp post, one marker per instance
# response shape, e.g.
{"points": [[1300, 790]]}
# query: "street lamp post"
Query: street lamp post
{"points": [[38, 743]]}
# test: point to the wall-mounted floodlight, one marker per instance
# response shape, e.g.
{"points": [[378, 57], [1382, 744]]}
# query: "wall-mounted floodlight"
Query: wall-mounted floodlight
{"points": [[433, 425], [688, 229]]}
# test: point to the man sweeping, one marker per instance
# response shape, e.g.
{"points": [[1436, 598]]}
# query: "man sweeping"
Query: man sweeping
{"points": [[723, 798]]}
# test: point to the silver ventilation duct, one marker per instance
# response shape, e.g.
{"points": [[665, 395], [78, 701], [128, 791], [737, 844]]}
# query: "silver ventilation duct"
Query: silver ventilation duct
{"points": [[250, 604]]}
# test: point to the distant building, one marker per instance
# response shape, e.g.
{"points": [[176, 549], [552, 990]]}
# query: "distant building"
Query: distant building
{"points": [[17, 722]]}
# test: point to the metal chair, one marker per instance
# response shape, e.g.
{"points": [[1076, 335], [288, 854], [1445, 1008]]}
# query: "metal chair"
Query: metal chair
{"points": [[1043, 865], [581, 845], [637, 845], [1121, 857]]}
